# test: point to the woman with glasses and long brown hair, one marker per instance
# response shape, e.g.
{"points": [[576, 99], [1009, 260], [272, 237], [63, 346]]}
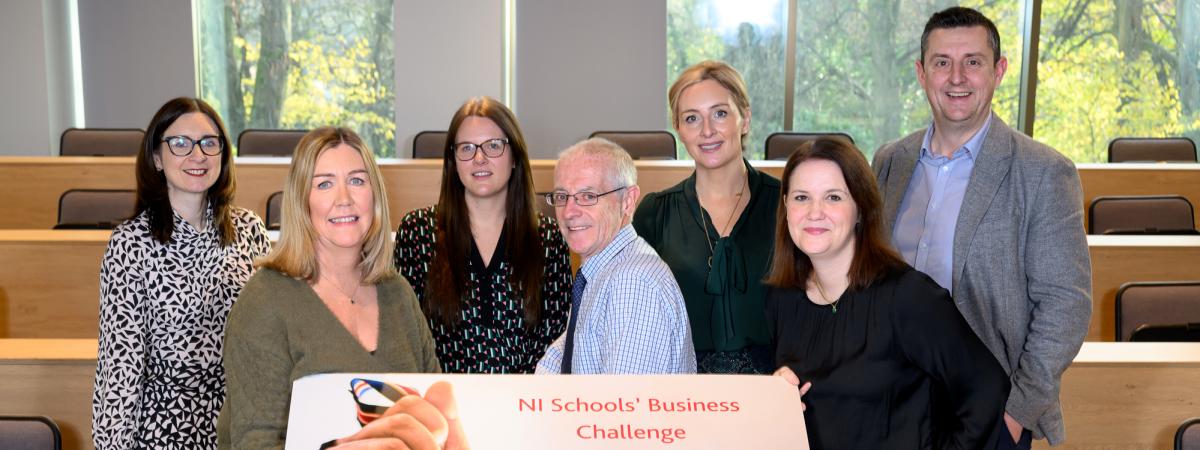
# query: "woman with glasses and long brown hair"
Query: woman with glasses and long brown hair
{"points": [[167, 282], [491, 272]]}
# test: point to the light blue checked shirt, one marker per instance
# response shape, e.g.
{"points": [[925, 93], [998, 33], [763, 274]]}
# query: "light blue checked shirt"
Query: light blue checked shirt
{"points": [[632, 319], [928, 215]]}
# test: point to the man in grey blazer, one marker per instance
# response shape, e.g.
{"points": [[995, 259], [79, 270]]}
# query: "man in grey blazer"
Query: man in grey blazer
{"points": [[996, 218]]}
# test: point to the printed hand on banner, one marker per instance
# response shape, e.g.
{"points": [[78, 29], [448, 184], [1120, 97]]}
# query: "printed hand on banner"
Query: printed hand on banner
{"points": [[429, 423], [787, 374]]}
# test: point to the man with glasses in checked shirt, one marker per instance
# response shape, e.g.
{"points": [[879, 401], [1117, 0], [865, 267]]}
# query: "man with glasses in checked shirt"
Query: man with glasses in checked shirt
{"points": [[627, 314]]}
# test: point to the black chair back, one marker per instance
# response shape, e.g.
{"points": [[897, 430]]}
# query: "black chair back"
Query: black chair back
{"points": [[1183, 332], [656, 144], [1156, 304], [781, 145], [255, 142], [29, 433], [94, 209], [100, 142], [1187, 437], [274, 210], [429, 145], [1141, 214], [1172, 149]]}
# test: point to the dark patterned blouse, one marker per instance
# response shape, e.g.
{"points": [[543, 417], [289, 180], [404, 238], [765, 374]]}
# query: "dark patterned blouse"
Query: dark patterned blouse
{"points": [[491, 336]]}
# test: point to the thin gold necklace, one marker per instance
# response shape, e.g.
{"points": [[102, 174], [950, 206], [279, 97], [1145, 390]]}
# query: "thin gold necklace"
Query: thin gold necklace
{"points": [[824, 296], [728, 220], [350, 296]]}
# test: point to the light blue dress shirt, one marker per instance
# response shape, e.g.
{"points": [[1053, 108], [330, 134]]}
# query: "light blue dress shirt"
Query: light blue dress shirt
{"points": [[928, 214], [632, 319]]}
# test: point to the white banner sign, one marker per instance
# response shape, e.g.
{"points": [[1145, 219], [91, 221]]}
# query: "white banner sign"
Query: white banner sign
{"points": [[567, 411]]}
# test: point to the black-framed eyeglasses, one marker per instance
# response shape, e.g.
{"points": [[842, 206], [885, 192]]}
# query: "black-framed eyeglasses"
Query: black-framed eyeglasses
{"points": [[586, 198], [183, 145], [492, 148]]}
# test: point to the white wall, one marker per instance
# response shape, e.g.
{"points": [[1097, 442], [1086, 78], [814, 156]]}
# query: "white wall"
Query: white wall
{"points": [[64, 88], [24, 122], [446, 52], [585, 66], [136, 55]]}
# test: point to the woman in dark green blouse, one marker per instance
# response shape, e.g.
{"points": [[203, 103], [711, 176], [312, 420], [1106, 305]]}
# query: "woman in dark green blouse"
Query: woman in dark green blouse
{"points": [[715, 229]]}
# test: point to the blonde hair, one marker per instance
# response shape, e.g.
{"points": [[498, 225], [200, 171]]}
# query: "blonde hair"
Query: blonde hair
{"points": [[718, 71], [295, 253]]}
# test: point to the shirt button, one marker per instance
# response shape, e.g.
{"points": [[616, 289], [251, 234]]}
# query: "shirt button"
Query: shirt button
{"points": [[945, 168]]}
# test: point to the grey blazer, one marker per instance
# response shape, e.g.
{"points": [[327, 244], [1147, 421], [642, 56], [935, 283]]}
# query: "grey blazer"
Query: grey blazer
{"points": [[1021, 270]]}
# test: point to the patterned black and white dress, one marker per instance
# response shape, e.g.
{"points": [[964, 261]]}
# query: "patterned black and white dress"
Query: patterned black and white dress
{"points": [[491, 336], [159, 379]]}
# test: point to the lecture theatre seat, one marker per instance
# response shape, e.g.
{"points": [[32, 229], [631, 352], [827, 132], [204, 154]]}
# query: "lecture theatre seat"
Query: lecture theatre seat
{"points": [[29, 433], [429, 145], [1188, 435], [1173, 149], [1141, 214], [656, 144], [274, 210], [779, 146], [269, 142], [1155, 303], [100, 142], [94, 209]]}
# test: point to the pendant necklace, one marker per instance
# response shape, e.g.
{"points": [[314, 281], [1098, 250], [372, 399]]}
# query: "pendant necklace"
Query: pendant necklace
{"points": [[728, 220], [351, 295], [824, 296]]}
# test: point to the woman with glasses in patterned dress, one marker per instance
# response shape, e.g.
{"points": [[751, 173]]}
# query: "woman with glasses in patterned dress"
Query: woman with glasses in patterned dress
{"points": [[167, 282], [491, 273]]}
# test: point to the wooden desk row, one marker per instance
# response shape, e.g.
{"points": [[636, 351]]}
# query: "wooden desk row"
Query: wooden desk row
{"points": [[50, 284], [1129, 395], [30, 186], [1115, 395]]}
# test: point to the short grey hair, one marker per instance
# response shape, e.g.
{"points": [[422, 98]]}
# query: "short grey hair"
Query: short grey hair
{"points": [[620, 170]]}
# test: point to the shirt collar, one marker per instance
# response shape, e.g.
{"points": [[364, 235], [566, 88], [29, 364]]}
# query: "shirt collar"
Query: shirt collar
{"points": [[186, 227], [971, 148], [623, 238]]}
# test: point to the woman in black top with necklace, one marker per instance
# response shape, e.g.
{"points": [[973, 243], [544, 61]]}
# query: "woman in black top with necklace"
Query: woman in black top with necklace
{"points": [[714, 228], [491, 273], [885, 359]]}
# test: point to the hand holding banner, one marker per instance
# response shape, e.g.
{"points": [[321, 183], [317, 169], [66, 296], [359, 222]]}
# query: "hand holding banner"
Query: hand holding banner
{"points": [[551, 412]]}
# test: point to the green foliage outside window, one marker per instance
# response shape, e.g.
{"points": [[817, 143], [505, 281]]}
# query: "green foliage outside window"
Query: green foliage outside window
{"points": [[1107, 68], [1113, 68], [300, 64]]}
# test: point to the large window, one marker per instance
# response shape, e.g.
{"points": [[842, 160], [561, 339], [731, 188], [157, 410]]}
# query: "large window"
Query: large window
{"points": [[300, 64], [856, 66], [1110, 68], [748, 34], [1106, 68]]}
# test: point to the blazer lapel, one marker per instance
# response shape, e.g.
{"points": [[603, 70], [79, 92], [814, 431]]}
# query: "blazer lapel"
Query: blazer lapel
{"points": [[991, 168], [900, 172]]}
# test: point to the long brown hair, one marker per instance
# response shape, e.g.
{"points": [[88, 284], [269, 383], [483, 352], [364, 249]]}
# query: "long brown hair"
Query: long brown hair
{"points": [[523, 246], [295, 253], [152, 183], [874, 257]]}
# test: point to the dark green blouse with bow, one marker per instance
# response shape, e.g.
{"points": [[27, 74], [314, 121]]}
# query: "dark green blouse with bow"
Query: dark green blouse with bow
{"points": [[725, 303]]}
